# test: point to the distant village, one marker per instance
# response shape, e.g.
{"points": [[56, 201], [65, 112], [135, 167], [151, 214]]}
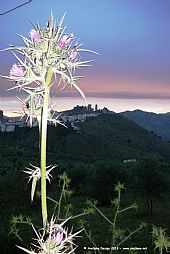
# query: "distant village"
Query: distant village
{"points": [[73, 116], [8, 124]]}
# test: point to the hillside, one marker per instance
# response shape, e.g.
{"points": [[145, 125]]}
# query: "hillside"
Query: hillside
{"points": [[157, 123], [107, 136], [110, 138]]}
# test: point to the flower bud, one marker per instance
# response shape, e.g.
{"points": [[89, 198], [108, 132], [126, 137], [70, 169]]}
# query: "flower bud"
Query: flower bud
{"points": [[65, 40], [57, 237], [17, 71], [35, 35], [73, 55]]}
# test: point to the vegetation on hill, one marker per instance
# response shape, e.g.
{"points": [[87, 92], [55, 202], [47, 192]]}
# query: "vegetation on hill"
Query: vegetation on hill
{"points": [[103, 137], [158, 124], [93, 159]]}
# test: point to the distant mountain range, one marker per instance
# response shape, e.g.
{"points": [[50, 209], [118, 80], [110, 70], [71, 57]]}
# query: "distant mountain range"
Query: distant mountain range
{"points": [[158, 124]]}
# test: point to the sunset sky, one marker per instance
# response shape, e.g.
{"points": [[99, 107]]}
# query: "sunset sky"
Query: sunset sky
{"points": [[132, 38]]}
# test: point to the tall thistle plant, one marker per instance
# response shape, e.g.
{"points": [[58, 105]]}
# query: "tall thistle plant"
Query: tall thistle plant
{"points": [[49, 56]]}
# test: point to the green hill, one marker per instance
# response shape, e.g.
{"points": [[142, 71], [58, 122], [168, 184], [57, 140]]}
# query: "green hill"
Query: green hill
{"points": [[107, 136], [114, 136], [111, 138], [157, 123]]}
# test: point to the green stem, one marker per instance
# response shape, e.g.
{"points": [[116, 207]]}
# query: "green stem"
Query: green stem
{"points": [[60, 200], [91, 240], [126, 209], [53, 200], [78, 215], [43, 143], [102, 214], [131, 234], [115, 218], [117, 210]]}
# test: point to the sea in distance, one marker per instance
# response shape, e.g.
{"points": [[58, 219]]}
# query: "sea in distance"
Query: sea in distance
{"points": [[13, 107]]}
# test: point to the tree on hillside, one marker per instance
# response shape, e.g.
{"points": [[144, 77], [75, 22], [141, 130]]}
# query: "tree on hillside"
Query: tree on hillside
{"points": [[107, 174], [153, 178]]}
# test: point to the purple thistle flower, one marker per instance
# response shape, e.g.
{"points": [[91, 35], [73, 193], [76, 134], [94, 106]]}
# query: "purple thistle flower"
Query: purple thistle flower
{"points": [[17, 71], [65, 40], [73, 55], [35, 35], [57, 237]]}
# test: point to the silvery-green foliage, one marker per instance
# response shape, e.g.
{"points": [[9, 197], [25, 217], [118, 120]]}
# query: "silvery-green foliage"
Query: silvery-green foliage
{"points": [[34, 175], [49, 56], [160, 238], [47, 49]]}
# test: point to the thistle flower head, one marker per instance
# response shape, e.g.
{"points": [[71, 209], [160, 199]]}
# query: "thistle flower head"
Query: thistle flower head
{"points": [[57, 237], [48, 49], [54, 239], [65, 40], [16, 71], [35, 35]]}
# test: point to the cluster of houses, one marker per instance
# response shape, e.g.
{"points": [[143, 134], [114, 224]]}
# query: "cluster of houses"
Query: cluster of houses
{"points": [[8, 124], [74, 116], [80, 114], [129, 161]]}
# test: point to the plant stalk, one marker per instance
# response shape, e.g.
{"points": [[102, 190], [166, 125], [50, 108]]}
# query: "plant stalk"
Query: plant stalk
{"points": [[43, 145], [115, 218]]}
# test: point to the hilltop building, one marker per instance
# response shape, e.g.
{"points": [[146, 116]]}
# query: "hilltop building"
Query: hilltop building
{"points": [[1, 115], [89, 109], [80, 114]]}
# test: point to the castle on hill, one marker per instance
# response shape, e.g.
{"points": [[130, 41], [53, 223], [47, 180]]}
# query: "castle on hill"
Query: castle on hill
{"points": [[89, 109]]}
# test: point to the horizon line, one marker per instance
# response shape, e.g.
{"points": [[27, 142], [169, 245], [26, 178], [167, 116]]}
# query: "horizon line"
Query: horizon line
{"points": [[136, 109], [112, 95]]}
